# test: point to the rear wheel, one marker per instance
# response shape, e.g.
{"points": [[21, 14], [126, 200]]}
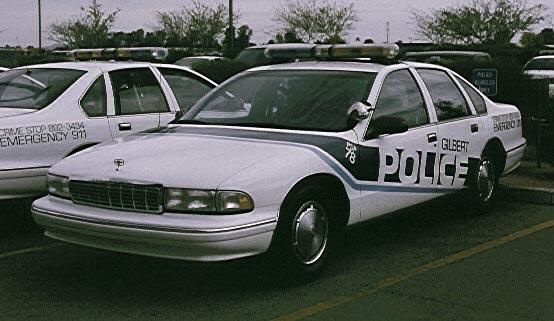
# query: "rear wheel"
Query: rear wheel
{"points": [[486, 183]]}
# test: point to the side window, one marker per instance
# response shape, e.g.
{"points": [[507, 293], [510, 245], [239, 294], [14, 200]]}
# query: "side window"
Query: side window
{"points": [[94, 101], [137, 91], [401, 97], [186, 88], [476, 98], [447, 98]]}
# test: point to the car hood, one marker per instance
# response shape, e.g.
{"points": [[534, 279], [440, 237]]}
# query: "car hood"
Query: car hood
{"points": [[170, 159], [5, 112]]}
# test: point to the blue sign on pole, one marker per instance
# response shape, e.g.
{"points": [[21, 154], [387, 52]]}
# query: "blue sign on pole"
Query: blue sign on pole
{"points": [[485, 80]]}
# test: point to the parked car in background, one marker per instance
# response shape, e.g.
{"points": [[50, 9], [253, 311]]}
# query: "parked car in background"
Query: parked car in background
{"points": [[448, 57], [280, 159], [50, 111], [255, 55], [190, 61], [541, 67]]}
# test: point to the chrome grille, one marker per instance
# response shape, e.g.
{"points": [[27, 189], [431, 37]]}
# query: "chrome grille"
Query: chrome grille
{"points": [[115, 195]]}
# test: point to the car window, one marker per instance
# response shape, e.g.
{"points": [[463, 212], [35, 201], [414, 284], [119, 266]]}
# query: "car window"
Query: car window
{"points": [[400, 97], [540, 64], [447, 98], [476, 98], [186, 87], [35, 88], [292, 99], [94, 101], [137, 91]]}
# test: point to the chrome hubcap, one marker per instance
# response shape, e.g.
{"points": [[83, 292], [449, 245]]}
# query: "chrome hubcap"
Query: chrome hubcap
{"points": [[310, 232], [485, 180]]}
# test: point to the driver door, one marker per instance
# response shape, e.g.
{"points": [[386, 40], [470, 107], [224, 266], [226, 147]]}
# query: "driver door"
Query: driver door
{"points": [[407, 168]]}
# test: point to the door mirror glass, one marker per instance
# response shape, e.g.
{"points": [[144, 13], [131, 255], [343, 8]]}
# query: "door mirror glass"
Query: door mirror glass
{"points": [[358, 111], [386, 125]]}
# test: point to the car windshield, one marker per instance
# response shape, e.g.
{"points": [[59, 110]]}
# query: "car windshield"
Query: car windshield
{"points": [[34, 88], [300, 99], [540, 64]]}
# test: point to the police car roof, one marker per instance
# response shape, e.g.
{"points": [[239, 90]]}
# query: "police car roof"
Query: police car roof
{"points": [[446, 53], [88, 65], [324, 65]]}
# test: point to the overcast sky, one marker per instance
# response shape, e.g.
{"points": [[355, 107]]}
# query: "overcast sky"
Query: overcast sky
{"points": [[19, 18]]}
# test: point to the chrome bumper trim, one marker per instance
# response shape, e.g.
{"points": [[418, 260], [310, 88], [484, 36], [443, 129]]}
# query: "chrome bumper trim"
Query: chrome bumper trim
{"points": [[151, 227]]}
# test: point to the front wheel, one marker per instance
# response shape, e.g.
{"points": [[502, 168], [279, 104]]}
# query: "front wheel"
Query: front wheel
{"points": [[306, 232]]}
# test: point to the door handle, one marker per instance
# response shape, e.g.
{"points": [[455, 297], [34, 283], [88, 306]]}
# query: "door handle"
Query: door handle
{"points": [[124, 126], [432, 138], [474, 128]]}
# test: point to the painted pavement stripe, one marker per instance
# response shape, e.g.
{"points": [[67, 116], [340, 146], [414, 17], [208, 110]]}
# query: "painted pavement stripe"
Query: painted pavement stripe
{"points": [[29, 250], [396, 279]]}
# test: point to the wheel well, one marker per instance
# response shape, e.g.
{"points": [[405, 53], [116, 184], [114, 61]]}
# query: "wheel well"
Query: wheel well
{"points": [[335, 187], [79, 148], [498, 153]]}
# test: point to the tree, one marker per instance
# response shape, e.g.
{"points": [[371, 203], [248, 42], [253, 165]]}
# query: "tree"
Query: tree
{"points": [[195, 25], [90, 30], [529, 39], [241, 40], [316, 20], [290, 36], [481, 22]]}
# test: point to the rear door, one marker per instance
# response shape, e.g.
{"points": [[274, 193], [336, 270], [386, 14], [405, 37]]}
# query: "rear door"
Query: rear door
{"points": [[138, 100], [459, 130]]}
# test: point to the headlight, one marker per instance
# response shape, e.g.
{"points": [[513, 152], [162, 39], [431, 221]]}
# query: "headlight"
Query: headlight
{"points": [[58, 185], [206, 201]]}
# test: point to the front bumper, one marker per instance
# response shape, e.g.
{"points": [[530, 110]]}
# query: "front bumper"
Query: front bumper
{"points": [[179, 236], [26, 182]]}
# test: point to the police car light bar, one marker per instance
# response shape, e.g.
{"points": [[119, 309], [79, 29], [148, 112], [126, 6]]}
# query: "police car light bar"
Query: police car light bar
{"points": [[388, 51], [156, 53]]}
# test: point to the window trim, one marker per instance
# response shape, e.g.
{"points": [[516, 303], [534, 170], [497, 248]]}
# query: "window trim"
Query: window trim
{"points": [[456, 85], [461, 79], [189, 75], [85, 92], [118, 108], [378, 95]]}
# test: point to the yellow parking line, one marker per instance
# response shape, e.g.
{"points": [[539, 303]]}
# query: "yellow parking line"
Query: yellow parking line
{"points": [[393, 280], [29, 250]]}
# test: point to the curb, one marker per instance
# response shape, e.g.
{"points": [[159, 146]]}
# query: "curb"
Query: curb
{"points": [[543, 196]]}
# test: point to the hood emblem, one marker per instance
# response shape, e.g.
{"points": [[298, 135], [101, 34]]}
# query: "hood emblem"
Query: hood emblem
{"points": [[118, 162]]}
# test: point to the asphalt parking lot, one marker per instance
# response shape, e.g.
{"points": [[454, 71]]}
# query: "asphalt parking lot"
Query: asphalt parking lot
{"points": [[433, 262]]}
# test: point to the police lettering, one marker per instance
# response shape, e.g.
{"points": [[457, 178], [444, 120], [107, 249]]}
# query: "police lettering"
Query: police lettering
{"points": [[454, 145], [423, 168]]}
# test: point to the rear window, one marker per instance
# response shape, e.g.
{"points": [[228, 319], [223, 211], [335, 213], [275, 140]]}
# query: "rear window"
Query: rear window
{"points": [[35, 88]]}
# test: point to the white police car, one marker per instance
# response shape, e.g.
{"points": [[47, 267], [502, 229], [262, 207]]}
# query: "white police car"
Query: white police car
{"points": [[282, 158], [50, 111]]}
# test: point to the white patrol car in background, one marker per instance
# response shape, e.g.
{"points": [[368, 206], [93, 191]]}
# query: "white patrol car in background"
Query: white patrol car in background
{"points": [[280, 159], [50, 111]]}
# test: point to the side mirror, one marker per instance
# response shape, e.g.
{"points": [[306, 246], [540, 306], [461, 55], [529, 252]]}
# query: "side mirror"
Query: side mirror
{"points": [[358, 111], [386, 125]]}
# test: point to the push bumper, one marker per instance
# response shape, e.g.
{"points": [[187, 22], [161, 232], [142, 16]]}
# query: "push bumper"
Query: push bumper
{"points": [[179, 236]]}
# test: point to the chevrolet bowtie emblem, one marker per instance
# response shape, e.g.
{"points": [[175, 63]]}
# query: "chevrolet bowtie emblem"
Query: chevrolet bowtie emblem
{"points": [[118, 162]]}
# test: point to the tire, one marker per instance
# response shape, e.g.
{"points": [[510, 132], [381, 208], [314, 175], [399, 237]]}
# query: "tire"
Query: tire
{"points": [[306, 234], [485, 187]]}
